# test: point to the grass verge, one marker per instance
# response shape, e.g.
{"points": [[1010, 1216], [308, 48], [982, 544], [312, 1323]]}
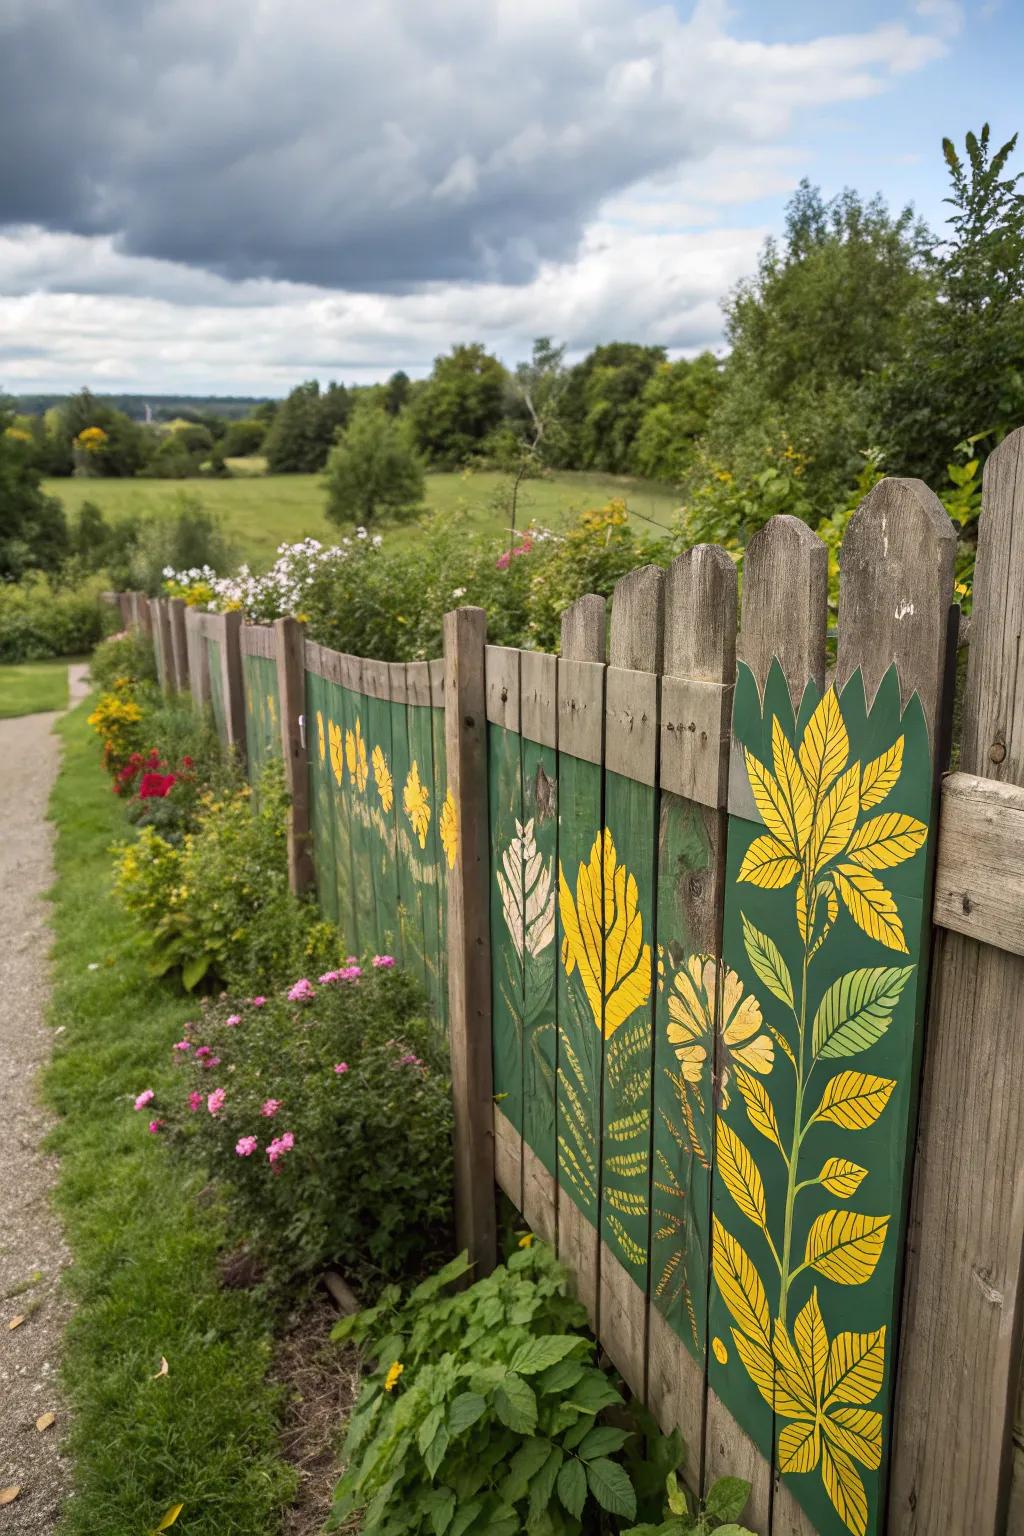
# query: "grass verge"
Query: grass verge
{"points": [[145, 1239], [30, 687]]}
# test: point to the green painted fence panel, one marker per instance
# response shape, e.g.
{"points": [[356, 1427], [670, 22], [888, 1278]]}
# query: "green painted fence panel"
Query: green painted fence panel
{"points": [[409, 948], [321, 784], [823, 993], [424, 842], [540, 948], [262, 712], [340, 822], [448, 843], [383, 823], [505, 795], [356, 800]]}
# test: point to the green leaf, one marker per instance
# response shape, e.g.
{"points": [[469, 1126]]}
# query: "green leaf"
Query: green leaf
{"points": [[572, 1487], [464, 1411], [677, 1500], [193, 971], [594, 1392], [435, 1452], [452, 1271], [857, 1009], [767, 963], [603, 1440], [560, 1377], [429, 1428], [537, 1354], [542, 1486], [611, 1487], [465, 1517], [727, 1498], [516, 1405], [526, 1462]]}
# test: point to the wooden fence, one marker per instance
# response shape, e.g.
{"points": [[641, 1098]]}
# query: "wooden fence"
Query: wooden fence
{"points": [[732, 974]]}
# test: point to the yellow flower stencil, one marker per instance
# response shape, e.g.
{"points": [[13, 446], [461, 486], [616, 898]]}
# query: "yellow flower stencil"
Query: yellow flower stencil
{"points": [[334, 735], [355, 756], [416, 799], [604, 936], [449, 827], [382, 778]]}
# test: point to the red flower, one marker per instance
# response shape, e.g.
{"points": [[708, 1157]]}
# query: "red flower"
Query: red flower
{"points": [[186, 762], [155, 786]]}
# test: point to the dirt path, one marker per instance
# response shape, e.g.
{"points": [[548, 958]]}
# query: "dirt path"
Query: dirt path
{"points": [[32, 1250]]}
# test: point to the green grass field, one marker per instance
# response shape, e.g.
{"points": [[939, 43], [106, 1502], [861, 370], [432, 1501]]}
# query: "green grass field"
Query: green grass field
{"points": [[33, 686], [260, 511]]}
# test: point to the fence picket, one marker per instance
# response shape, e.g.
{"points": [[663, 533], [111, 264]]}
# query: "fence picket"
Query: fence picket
{"points": [[421, 813], [953, 1454], [696, 710], [581, 675]]}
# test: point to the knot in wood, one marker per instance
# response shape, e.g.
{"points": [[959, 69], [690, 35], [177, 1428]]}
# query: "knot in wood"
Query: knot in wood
{"points": [[997, 751]]}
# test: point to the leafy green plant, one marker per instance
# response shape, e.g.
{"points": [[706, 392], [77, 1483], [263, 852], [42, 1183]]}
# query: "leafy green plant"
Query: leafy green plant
{"points": [[128, 655], [328, 1121], [719, 1512], [485, 1412]]}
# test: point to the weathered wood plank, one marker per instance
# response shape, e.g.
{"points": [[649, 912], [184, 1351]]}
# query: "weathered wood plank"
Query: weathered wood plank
{"points": [[785, 560], [700, 655], [631, 830], [179, 648], [952, 1457], [469, 948], [320, 791], [581, 674], [291, 663], [423, 823], [445, 815], [508, 1001], [410, 911], [233, 688], [979, 875]]}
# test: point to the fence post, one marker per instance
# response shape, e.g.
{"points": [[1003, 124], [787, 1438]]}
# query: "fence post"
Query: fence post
{"points": [[178, 645], [960, 1362], [165, 653], [290, 636], [143, 616], [469, 943], [233, 680]]}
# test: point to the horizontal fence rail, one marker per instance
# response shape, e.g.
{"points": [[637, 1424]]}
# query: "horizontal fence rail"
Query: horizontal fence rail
{"points": [[731, 975]]}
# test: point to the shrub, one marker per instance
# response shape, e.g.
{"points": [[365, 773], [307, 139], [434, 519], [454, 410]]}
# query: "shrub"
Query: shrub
{"points": [[118, 722], [373, 466], [181, 538], [218, 908], [329, 1122], [126, 654], [40, 619], [482, 1413]]}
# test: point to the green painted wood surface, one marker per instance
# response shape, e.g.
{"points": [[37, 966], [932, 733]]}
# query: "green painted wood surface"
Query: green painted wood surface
{"points": [[630, 816], [683, 1080], [319, 797], [579, 1010], [262, 713], [819, 1041], [216, 687], [446, 859], [338, 809], [505, 793], [540, 948], [410, 907], [357, 807], [380, 793], [424, 845]]}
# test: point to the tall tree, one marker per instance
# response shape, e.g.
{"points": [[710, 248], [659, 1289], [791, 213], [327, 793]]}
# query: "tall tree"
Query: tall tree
{"points": [[373, 467], [460, 404], [33, 528], [602, 406], [677, 401]]}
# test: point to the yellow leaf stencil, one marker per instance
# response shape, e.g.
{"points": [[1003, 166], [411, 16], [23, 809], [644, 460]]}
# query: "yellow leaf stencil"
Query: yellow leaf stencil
{"points": [[854, 1100], [844, 1488], [845, 1246], [841, 1177], [792, 785], [769, 864], [740, 1285], [759, 1107], [880, 776], [871, 906], [858, 1431], [334, 733], [882, 841], [771, 803], [856, 1365], [739, 1171], [382, 778], [834, 821], [825, 746], [416, 800], [603, 930]]}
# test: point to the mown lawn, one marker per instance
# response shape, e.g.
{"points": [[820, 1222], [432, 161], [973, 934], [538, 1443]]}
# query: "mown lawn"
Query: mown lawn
{"points": [[31, 687], [261, 512], [144, 1236]]}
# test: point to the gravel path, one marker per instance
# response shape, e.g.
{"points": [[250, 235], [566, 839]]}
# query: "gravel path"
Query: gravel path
{"points": [[32, 1249]]}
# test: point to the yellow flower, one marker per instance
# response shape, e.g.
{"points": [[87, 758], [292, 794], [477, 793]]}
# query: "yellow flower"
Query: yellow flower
{"points": [[321, 740], [526, 1241], [449, 826], [693, 1010], [416, 799], [395, 1370], [604, 936], [334, 734], [355, 756], [382, 778]]}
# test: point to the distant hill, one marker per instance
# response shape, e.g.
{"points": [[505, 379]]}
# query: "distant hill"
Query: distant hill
{"points": [[161, 407]]}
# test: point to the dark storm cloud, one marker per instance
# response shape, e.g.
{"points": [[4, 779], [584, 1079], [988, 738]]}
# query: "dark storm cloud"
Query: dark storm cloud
{"points": [[368, 146]]}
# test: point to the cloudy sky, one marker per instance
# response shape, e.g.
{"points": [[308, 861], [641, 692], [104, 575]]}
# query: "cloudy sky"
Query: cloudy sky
{"points": [[233, 196]]}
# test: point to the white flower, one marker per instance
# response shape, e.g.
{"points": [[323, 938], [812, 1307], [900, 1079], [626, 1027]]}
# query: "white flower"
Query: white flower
{"points": [[458, 591]]}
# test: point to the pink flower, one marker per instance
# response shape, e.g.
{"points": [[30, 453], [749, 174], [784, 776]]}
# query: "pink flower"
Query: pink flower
{"points": [[145, 1097], [215, 1101], [245, 1146], [270, 1107], [183, 1045], [280, 1145], [302, 992], [502, 561], [409, 1060], [211, 1061], [257, 1002], [154, 1127], [329, 976], [233, 1019], [204, 1050], [383, 962], [194, 1101], [351, 959], [341, 1067]]}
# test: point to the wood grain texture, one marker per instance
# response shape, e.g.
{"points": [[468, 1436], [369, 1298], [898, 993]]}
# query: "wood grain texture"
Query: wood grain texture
{"points": [[583, 627], [979, 876], [953, 1452], [469, 946], [291, 693], [233, 681], [179, 647], [165, 649], [538, 686], [895, 586], [785, 603]]}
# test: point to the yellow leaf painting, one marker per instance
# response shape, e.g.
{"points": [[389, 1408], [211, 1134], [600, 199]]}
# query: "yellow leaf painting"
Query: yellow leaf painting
{"points": [[846, 1246], [603, 930], [449, 828], [320, 738], [355, 756], [825, 746], [416, 800], [382, 778], [337, 761], [740, 1285], [881, 775], [854, 1100], [740, 1176]]}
